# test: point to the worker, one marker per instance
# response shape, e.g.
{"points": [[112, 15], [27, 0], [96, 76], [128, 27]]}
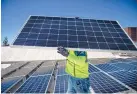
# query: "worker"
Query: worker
{"points": [[77, 69]]}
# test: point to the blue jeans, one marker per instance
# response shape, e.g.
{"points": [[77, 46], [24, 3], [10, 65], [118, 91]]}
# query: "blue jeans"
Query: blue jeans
{"points": [[78, 85]]}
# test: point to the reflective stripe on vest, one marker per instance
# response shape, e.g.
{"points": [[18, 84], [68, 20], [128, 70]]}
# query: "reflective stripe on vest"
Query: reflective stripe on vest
{"points": [[76, 65]]}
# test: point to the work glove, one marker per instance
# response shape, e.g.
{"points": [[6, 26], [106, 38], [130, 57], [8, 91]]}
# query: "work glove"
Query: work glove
{"points": [[63, 51]]}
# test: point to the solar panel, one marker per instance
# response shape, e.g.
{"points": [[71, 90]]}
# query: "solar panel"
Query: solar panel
{"points": [[9, 82], [36, 84], [73, 33], [101, 83], [92, 69], [127, 77], [133, 63], [61, 84], [108, 67], [124, 66]]}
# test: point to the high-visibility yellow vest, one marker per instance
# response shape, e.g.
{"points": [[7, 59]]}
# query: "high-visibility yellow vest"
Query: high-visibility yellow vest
{"points": [[76, 65]]}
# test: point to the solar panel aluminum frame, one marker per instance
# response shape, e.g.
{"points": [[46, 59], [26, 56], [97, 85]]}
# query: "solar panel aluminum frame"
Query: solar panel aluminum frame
{"points": [[20, 30], [79, 49], [36, 76]]}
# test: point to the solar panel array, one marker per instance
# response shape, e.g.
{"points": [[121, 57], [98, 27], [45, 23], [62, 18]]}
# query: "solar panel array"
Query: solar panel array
{"points": [[127, 77], [101, 83], [73, 33], [123, 70], [116, 76], [38, 82]]}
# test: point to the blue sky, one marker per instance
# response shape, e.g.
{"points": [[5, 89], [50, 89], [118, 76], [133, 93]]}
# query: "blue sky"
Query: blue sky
{"points": [[15, 12]]}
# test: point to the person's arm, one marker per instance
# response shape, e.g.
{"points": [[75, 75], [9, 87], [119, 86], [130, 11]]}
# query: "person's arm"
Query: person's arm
{"points": [[63, 51]]}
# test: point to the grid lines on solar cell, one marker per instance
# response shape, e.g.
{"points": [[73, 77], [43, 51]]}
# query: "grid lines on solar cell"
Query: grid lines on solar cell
{"points": [[36, 84], [61, 84], [92, 69], [125, 66], [102, 83], [108, 67], [127, 77], [74, 33]]}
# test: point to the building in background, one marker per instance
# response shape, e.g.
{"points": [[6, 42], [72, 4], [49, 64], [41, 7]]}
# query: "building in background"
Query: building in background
{"points": [[132, 32]]}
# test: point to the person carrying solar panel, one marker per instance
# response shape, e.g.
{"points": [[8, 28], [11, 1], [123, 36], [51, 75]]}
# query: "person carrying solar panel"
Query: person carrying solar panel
{"points": [[77, 69]]}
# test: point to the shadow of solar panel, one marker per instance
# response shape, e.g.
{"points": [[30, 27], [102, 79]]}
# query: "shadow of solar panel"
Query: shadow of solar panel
{"points": [[92, 69], [101, 83], [61, 84], [108, 68], [106, 36], [36, 84], [125, 66], [9, 82], [127, 77]]}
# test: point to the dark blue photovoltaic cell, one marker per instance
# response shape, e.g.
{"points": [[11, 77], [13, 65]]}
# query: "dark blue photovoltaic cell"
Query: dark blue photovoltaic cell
{"points": [[92, 69], [101, 83], [124, 66], [37, 84], [7, 83], [74, 32], [61, 84], [127, 77], [134, 63], [108, 67]]}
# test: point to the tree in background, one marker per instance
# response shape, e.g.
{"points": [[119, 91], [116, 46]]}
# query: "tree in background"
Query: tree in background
{"points": [[5, 42]]}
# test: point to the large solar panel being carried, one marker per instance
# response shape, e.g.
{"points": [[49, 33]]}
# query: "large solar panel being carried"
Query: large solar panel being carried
{"points": [[74, 33]]}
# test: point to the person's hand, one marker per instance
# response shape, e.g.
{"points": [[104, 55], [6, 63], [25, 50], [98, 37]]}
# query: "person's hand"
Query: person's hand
{"points": [[63, 51]]}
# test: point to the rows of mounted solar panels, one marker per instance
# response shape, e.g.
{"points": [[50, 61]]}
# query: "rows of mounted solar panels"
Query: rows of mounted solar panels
{"points": [[125, 70], [127, 77], [82, 38], [118, 65], [38, 82], [13, 78], [99, 82], [41, 75]]}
